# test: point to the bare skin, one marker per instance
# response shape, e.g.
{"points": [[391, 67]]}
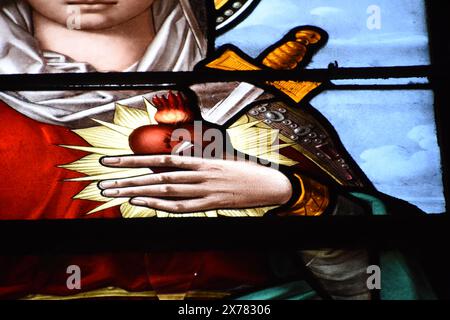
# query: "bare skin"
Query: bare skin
{"points": [[205, 184], [111, 36]]}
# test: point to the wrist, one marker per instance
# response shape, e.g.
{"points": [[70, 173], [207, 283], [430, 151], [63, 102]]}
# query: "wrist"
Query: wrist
{"points": [[308, 198], [295, 189], [285, 190]]}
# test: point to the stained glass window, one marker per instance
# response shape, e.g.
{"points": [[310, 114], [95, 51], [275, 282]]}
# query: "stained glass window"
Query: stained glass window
{"points": [[270, 129], [401, 156]]}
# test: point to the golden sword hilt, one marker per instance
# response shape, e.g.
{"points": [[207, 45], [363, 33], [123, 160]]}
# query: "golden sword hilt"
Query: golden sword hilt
{"points": [[291, 53], [287, 54]]}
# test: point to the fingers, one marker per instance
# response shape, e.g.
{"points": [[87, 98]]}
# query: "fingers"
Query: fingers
{"points": [[189, 163], [187, 177], [179, 206], [162, 190]]}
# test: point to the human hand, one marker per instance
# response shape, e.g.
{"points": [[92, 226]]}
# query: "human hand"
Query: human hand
{"points": [[199, 185]]}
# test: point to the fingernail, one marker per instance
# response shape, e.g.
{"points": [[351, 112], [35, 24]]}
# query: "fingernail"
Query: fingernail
{"points": [[110, 193], [138, 202], [110, 160], [107, 184]]}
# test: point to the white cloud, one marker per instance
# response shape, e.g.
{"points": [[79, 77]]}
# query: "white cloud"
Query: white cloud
{"points": [[425, 136], [397, 165]]}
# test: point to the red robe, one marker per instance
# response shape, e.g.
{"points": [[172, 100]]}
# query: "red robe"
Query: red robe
{"points": [[32, 187]]}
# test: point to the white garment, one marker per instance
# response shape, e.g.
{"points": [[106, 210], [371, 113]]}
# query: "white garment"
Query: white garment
{"points": [[178, 45]]}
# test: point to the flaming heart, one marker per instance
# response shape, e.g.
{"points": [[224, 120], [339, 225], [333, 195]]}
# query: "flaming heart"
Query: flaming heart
{"points": [[174, 112]]}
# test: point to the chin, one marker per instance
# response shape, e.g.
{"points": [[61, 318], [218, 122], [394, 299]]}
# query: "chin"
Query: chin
{"points": [[96, 22]]}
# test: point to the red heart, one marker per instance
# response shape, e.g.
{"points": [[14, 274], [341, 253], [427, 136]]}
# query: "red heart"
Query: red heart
{"points": [[152, 139]]}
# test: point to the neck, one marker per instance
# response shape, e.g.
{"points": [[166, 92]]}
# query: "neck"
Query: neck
{"points": [[113, 49]]}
